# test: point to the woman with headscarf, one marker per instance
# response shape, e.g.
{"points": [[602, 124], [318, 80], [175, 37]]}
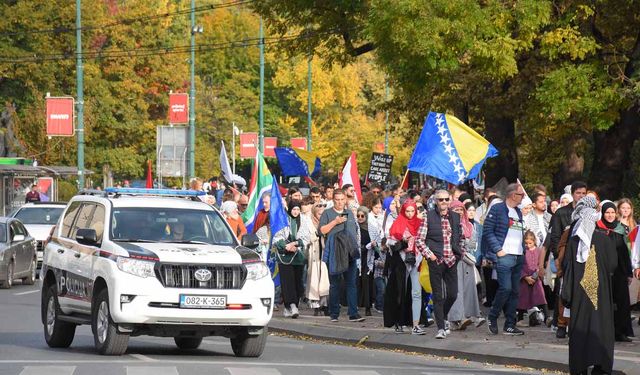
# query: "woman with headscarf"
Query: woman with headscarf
{"points": [[365, 280], [403, 274], [375, 253], [290, 244], [611, 227], [587, 291], [467, 304], [230, 211], [317, 290]]}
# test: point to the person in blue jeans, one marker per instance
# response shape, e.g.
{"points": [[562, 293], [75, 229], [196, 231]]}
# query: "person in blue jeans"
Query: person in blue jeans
{"points": [[502, 242], [333, 220]]}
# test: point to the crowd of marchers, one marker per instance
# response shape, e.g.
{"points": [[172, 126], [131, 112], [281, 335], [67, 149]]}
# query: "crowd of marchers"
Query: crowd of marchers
{"points": [[434, 257]]}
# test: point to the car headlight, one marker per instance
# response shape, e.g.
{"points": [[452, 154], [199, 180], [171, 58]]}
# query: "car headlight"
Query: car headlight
{"points": [[142, 268], [257, 270]]}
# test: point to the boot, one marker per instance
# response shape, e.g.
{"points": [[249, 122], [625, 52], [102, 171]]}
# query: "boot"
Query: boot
{"points": [[316, 311], [367, 312]]}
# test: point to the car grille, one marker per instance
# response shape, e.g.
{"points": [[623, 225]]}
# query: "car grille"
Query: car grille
{"points": [[183, 276], [39, 245]]}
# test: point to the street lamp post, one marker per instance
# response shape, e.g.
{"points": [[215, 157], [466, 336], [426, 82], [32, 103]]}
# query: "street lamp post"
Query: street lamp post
{"points": [[261, 113], [80, 94], [192, 93]]}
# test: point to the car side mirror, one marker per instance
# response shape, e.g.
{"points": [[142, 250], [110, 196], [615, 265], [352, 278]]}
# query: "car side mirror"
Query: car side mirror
{"points": [[250, 240], [87, 236], [18, 238]]}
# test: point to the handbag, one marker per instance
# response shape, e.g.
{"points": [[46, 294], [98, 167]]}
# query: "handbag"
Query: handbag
{"points": [[410, 258]]}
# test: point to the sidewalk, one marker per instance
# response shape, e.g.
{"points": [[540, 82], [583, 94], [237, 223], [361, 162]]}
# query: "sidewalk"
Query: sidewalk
{"points": [[538, 348]]}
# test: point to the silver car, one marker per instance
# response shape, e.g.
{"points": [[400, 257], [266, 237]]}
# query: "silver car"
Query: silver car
{"points": [[18, 259]]}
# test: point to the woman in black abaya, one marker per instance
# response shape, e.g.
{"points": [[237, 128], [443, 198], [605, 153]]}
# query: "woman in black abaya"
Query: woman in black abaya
{"points": [[587, 291], [610, 226]]}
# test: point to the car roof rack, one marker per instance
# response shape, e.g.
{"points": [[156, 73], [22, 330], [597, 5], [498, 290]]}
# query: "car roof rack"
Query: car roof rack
{"points": [[101, 193], [55, 202], [192, 194]]}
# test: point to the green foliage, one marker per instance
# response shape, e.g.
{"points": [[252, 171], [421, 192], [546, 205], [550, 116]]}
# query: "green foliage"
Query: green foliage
{"points": [[66, 190]]}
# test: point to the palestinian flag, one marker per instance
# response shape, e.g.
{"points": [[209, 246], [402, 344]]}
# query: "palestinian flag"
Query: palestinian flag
{"points": [[261, 180]]}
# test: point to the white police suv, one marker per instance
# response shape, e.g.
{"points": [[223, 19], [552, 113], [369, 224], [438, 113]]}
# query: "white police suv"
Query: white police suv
{"points": [[155, 262]]}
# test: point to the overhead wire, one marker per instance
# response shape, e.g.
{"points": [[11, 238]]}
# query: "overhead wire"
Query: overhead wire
{"points": [[163, 50], [128, 21]]}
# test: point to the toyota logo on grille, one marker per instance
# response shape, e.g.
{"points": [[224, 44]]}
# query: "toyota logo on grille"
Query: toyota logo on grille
{"points": [[203, 275]]}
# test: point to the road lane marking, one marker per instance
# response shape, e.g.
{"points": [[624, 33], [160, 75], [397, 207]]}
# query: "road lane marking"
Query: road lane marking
{"points": [[202, 362], [252, 371], [145, 370], [143, 357], [29, 292], [351, 372], [48, 370]]}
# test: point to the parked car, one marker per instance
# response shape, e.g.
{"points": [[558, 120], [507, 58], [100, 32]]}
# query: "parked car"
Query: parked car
{"points": [[17, 253], [39, 218]]}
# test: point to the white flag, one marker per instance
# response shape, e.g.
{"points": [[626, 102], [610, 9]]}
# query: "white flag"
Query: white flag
{"points": [[226, 169], [224, 164]]}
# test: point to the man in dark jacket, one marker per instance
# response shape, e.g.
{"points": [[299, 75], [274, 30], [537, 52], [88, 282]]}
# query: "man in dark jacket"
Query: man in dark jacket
{"points": [[560, 221], [440, 242], [503, 237]]}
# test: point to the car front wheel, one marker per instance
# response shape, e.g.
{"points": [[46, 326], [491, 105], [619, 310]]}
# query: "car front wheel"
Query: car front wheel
{"points": [[8, 282], [107, 339], [246, 345]]}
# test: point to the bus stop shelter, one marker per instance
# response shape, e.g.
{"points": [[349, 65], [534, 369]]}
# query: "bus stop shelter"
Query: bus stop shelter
{"points": [[16, 181]]}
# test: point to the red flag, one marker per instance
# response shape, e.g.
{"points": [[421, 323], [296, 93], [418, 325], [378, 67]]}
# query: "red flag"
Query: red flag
{"points": [[350, 176], [149, 184], [405, 181]]}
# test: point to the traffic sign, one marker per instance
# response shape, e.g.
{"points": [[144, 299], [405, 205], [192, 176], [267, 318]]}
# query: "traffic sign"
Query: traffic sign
{"points": [[60, 116]]}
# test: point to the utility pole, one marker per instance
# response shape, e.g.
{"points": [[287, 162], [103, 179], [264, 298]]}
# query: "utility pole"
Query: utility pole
{"points": [[309, 104], [80, 94], [192, 95], [386, 118], [261, 116]]}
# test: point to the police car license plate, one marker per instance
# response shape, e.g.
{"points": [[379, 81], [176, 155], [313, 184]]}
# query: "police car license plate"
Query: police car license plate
{"points": [[202, 302]]}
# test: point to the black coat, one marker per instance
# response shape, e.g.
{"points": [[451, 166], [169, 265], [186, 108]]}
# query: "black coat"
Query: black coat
{"points": [[397, 294], [591, 329]]}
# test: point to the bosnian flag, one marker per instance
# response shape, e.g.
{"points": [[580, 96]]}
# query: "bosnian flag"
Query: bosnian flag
{"points": [[261, 182], [349, 175]]}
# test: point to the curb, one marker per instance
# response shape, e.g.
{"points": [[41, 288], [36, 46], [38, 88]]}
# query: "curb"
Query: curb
{"points": [[374, 341]]}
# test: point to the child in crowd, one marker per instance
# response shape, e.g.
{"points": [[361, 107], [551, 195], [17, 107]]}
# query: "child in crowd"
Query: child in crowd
{"points": [[377, 258], [531, 297]]}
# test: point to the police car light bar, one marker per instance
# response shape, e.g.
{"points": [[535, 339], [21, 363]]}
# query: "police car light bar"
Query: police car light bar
{"points": [[167, 192]]}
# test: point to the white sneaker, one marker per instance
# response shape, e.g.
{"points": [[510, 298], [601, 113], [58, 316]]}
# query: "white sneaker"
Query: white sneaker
{"points": [[447, 327], [480, 322], [286, 312], [294, 311], [417, 331], [441, 334]]}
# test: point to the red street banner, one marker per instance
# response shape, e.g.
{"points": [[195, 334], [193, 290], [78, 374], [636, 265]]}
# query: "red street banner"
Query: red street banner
{"points": [[60, 117], [178, 108], [270, 143], [300, 143], [248, 144]]}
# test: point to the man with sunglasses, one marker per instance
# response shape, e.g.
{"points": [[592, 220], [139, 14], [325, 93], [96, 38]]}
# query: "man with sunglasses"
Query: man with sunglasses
{"points": [[503, 245], [440, 242]]}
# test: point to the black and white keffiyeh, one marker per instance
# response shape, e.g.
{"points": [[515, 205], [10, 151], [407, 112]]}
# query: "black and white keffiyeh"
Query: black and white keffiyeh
{"points": [[587, 216]]}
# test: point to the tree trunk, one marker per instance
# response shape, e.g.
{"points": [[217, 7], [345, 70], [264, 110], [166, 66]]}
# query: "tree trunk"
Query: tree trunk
{"points": [[612, 148], [572, 168], [500, 132]]}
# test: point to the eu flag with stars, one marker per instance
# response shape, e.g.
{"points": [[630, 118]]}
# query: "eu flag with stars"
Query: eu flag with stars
{"points": [[450, 150], [296, 162]]}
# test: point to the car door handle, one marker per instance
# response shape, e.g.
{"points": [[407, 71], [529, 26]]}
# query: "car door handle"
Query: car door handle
{"points": [[60, 251]]}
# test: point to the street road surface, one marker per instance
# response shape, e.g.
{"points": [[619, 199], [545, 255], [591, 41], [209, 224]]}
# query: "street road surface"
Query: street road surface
{"points": [[23, 351]]}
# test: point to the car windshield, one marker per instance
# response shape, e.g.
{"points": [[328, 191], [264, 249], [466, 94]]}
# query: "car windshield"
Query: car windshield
{"points": [[144, 224], [3, 232], [39, 215]]}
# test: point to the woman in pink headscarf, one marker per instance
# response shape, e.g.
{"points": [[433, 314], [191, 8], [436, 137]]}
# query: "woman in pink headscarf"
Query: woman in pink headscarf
{"points": [[467, 306]]}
